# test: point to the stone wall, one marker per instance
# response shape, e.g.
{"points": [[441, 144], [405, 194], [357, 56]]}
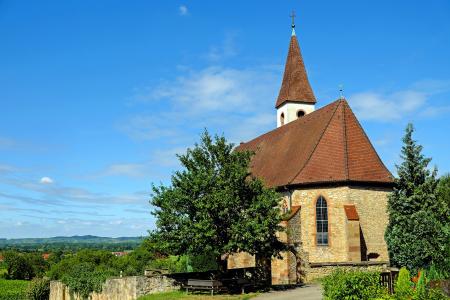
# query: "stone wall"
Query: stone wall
{"points": [[349, 240], [126, 288], [370, 204], [315, 273]]}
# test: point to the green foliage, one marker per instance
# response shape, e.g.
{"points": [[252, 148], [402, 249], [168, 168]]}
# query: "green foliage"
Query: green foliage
{"points": [[443, 213], [214, 206], [22, 266], [74, 243], [135, 262], [185, 263], [85, 271], [351, 285], [435, 273], [13, 289], [38, 289], [85, 278], [403, 286], [417, 233], [421, 289]]}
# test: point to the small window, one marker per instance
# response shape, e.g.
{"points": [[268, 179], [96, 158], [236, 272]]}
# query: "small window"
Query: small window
{"points": [[282, 118], [321, 222], [300, 113]]}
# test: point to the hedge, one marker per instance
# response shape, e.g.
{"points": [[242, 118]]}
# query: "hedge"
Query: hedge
{"points": [[352, 285]]}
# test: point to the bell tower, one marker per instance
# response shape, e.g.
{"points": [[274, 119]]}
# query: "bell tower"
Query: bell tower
{"points": [[296, 97]]}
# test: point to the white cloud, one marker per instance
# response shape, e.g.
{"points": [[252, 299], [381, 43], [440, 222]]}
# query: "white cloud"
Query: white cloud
{"points": [[125, 169], [226, 50], [220, 89], [183, 10], [46, 180], [387, 107], [234, 101]]}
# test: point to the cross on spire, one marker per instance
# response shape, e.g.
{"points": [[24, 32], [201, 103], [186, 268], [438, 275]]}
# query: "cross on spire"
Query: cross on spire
{"points": [[293, 18]]}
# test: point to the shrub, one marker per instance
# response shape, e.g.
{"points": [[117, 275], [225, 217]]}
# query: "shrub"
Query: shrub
{"points": [[421, 291], [38, 289], [403, 287], [84, 279], [356, 285]]}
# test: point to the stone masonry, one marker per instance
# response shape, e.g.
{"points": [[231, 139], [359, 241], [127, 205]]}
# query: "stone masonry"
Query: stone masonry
{"points": [[126, 288], [350, 241]]}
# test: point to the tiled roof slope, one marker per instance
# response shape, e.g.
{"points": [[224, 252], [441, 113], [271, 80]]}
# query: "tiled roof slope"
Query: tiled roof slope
{"points": [[328, 145], [295, 86]]}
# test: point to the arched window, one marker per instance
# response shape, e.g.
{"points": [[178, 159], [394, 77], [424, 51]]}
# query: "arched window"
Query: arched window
{"points": [[321, 221], [282, 119], [300, 113]]}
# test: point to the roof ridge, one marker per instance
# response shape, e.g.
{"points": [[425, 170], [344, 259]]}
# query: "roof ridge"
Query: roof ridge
{"points": [[318, 142]]}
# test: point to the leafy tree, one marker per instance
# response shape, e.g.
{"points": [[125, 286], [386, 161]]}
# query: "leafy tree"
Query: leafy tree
{"points": [[214, 206], [415, 234], [442, 211], [18, 266], [37, 263]]}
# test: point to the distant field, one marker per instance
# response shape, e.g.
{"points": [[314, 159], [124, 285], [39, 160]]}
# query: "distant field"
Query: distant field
{"points": [[13, 289], [183, 296]]}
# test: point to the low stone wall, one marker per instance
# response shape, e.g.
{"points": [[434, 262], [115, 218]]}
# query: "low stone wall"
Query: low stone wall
{"points": [[315, 272], [126, 288]]}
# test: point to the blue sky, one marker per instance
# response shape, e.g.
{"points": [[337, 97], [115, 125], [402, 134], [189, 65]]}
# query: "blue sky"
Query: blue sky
{"points": [[97, 97]]}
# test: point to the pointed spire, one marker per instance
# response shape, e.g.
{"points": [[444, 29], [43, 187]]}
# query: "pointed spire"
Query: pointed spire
{"points": [[295, 86]]}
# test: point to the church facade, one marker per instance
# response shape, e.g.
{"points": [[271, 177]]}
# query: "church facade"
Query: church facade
{"points": [[334, 185]]}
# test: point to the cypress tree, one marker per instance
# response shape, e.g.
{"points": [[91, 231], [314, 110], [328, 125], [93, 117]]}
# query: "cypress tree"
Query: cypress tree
{"points": [[415, 234]]}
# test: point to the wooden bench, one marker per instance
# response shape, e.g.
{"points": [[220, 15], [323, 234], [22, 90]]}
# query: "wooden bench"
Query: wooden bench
{"points": [[210, 285]]}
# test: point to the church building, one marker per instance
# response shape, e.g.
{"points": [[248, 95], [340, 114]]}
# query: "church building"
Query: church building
{"points": [[334, 184]]}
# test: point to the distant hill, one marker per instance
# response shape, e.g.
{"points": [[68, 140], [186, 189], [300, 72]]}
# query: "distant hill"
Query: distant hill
{"points": [[72, 242]]}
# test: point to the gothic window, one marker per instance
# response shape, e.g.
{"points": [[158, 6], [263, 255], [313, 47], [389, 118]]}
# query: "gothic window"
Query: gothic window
{"points": [[321, 221], [300, 113], [282, 119]]}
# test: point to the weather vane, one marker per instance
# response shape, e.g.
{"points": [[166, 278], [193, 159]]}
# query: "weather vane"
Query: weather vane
{"points": [[293, 18]]}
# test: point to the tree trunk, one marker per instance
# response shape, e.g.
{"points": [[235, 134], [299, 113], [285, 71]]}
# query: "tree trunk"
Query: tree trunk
{"points": [[263, 271]]}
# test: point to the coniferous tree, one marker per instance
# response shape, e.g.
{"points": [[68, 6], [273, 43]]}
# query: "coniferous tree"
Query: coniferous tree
{"points": [[415, 235], [215, 207]]}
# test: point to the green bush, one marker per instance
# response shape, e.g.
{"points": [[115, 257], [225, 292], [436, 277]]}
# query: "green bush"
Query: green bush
{"points": [[38, 289], [13, 289], [351, 285], [403, 287]]}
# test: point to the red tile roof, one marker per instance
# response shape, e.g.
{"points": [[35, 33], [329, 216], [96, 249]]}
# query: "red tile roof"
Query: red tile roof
{"points": [[295, 86], [351, 213], [328, 145]]}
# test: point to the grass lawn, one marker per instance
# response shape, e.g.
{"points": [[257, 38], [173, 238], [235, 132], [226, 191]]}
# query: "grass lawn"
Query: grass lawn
{"points": [[13, 289], [182, 295]]}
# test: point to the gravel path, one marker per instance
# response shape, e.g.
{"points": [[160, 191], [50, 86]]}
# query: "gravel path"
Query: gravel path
{"points": [[306, 292]]}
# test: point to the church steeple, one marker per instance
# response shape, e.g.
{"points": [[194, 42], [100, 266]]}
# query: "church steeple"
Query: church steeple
{"points": [[296, 95]]}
